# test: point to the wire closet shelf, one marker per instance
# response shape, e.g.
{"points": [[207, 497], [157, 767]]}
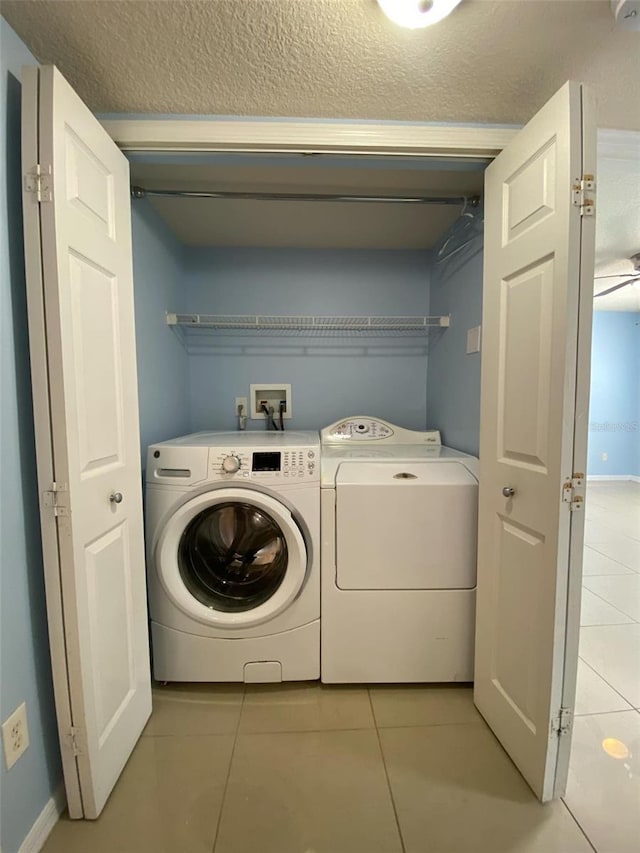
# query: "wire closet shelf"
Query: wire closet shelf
{"points": [[265, 324]]}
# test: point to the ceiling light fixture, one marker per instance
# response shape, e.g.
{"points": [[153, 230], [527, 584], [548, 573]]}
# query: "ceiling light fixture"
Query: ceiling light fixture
{"points": [[415, 14]]}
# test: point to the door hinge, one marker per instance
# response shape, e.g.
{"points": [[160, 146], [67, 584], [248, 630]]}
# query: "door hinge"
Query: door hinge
{"points": [[583, 192], [53, 498], [573, 492], [73, 739], [39, 181], [563, 721]]}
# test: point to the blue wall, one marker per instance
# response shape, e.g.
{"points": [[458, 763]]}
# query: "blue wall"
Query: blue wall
{"points": [[330, 377], [163, 377], [614, 414], [453, 379], [25, 673]]}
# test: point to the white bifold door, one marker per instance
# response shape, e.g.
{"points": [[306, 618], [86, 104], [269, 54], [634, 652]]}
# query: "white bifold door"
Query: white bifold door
{"points": [[538, 292], [535, 370], [80, 300]]}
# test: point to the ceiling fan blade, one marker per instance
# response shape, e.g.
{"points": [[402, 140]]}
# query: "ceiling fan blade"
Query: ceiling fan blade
{"points": [[616, 287]]}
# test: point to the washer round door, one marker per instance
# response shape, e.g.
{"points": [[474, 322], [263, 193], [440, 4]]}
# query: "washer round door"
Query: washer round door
{"points": [[231, 558]]}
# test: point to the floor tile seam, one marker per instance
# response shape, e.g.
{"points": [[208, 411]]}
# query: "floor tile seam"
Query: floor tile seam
{"points": [[308, 731], [594, 547], [580, 826], [607, 624], [624, 574], [386, 776], [606, 601], [401, 727], [230, 733], [615, 690], [619, 526], [604, 713], [607, 526], [228, 776]]}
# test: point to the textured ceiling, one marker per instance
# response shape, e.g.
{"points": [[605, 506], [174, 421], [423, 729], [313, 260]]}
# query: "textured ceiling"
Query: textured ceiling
{"points": [[488, 62]]}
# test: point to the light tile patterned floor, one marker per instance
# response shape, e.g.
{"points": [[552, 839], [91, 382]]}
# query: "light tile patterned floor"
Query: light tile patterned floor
{"points": [[313, 769], [305, 768], [604, 780]]}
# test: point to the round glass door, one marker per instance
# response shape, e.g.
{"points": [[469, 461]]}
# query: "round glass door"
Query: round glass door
{"points": [[233, 556]]}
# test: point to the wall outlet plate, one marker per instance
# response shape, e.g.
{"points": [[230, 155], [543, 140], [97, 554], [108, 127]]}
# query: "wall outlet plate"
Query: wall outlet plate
{"points": [[15, 735], [473, 339], [271, 393]]}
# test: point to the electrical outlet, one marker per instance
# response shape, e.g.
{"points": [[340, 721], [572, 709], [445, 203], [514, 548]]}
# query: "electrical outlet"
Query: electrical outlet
{"points": [[15, 735], [241, 401], [473, 339], [605, 457]]}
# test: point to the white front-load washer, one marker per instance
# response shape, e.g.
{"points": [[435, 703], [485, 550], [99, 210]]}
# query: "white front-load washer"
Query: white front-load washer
{"points": [[399, 530], [233, 556]]}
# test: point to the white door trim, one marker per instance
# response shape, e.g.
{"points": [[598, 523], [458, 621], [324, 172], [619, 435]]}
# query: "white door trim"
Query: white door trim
{"points": [[275, 136]]}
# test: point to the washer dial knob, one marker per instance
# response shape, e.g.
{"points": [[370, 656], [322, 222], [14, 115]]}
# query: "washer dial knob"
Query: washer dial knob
{"points": [[230, 464]]}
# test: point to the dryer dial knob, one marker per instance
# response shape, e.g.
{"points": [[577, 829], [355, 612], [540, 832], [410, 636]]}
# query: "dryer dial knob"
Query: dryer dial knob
{"points": [[230, 464]]}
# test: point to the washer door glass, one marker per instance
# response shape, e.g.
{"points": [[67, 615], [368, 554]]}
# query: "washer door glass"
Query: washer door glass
{"points": [[233, 556]]}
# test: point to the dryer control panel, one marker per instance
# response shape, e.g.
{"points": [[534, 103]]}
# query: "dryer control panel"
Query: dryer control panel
{"points": [[364, 428]]}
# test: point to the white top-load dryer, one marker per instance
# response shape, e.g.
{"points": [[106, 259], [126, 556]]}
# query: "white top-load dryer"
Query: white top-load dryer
{"points": [[399, 540], [233, 529]]}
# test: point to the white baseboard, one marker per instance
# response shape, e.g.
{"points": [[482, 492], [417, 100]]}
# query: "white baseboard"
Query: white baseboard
{"points": [[46, 820], [613, 477]]}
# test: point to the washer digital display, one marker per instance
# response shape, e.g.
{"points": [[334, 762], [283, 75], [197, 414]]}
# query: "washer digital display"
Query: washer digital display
{"points": [[266, 462]]}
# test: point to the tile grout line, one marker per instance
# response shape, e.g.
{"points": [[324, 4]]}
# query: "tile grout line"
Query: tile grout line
{"points": [[617, 609], [600, 675], [594, 547], [605, 713], [579, 825], [226, 781], [386, 773]]}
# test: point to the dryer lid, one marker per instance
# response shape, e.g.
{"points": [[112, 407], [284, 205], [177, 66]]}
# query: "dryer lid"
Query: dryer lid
{"points": [[408, 474], [406, 526]]}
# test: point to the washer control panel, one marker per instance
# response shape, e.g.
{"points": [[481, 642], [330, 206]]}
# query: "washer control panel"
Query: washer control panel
{"points": [[264, 465], [364, 428]]}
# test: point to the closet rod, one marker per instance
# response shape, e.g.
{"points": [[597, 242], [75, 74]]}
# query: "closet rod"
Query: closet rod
{"points": [[472, 201]]}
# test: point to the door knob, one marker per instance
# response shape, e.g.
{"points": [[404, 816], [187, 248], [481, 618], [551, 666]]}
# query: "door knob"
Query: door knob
{"points": [[508, 492], [115, 497]]}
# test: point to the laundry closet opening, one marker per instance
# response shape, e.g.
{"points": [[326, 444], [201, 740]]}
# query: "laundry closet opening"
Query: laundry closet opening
{"points": [[300, 270]]}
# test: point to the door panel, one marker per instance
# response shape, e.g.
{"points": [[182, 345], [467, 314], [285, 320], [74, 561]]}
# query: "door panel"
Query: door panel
{"points": [[532, 278], [89, 184], [87, 282], [529, 193], [94, 317], [113, 644], [519, 551], [524, 366]]}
